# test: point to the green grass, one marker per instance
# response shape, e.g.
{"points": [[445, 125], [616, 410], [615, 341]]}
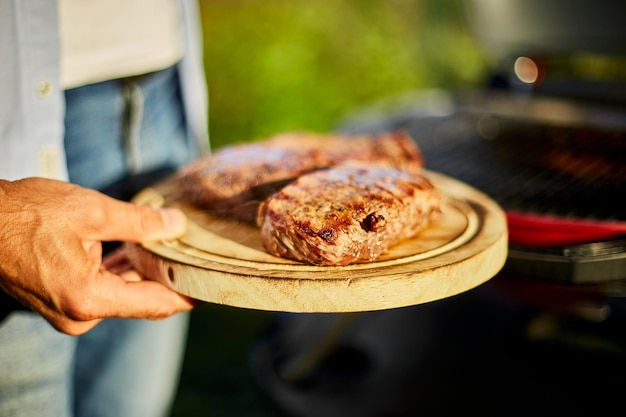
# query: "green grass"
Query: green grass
{"points": [[276, 65]]}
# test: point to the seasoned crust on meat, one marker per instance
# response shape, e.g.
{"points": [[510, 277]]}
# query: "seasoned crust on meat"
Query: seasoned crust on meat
{"points": [[352, 212], [234, 180]]}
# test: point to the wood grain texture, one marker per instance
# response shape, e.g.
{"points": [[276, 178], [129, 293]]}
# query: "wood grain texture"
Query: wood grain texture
{"points": [[222, 261]]}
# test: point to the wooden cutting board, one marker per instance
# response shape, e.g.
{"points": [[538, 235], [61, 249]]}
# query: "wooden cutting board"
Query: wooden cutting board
{"points": [[223, 261]]}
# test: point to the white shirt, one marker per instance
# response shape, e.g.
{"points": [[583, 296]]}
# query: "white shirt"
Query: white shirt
{"points": [[31, 95], [108, 39]]}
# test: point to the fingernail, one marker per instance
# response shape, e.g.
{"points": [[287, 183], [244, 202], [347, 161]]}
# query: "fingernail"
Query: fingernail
{"points": [[174, 220]]}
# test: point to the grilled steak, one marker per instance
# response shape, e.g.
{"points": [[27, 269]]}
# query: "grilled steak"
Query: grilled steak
{"points": [[234, 180], [353, 211]]}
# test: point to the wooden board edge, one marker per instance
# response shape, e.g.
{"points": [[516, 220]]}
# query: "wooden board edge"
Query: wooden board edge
{"points": [[347, 294]]}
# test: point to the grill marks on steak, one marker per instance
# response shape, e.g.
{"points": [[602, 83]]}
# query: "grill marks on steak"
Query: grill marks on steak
{"points": [[354, 211], [234, 180]]}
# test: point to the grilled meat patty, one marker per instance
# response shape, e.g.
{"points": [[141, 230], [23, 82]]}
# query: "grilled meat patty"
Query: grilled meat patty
{"points": [[234, 180], [352, 212]]}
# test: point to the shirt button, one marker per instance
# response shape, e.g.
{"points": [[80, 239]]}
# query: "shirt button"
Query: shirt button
{"points": [[44, 88]]}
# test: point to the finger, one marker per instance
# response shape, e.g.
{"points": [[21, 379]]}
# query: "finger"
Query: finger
{"points": [[114, 257], [117, 262], [72, 327], [57, 319], [142, 299], [118, 220], [124, 296], [131, 275]]}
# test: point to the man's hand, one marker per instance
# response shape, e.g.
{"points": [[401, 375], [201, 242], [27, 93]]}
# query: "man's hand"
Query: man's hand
{"points": [[51, 236]]}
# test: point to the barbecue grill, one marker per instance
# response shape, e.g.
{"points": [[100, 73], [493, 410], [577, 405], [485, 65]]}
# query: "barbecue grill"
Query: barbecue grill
{"points": [[557, 167], [546, 139]]}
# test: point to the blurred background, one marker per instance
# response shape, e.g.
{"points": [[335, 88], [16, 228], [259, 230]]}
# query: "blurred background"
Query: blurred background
{"points": [[275, 65]]}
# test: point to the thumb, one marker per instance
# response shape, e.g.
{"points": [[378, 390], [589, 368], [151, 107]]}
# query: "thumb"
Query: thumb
{"points": [[173, 223], [134, 223], [153, 224]]}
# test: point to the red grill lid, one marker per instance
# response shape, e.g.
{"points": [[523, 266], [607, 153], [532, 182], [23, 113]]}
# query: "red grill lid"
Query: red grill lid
{"points": [[551, 231]]}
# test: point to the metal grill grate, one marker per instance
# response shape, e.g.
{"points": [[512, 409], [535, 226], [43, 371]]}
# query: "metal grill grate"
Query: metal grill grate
{"points": [[569, 172]]}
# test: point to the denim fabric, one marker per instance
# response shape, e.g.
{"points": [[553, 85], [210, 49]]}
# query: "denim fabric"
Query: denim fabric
{"points": [[120, 368], [140, 127], [35, 368], [32, 100], [129, 367], [116, 132]]}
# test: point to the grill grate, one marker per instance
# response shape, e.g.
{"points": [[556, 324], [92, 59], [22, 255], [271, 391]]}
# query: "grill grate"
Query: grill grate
{"points": [[531, 167], [557, 168]]}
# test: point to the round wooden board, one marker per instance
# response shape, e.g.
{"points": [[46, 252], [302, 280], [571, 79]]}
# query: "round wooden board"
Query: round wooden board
{"points": [[223, 261]]}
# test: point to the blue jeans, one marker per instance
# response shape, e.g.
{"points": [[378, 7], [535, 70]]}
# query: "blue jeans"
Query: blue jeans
{"points": [[116, 132]]}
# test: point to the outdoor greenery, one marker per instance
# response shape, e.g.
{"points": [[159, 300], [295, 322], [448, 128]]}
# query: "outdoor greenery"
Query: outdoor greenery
{"points": [[275, 65]]}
